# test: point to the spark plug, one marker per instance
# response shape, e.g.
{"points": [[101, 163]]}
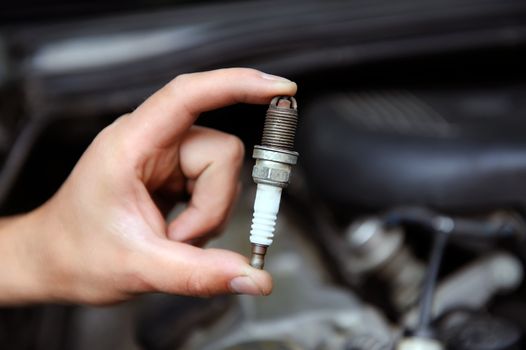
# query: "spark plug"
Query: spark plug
{"points": [[271, 173]]}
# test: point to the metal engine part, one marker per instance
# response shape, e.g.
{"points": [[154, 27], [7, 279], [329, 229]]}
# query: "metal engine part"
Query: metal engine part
{"points": [[415, 343], [377, 249], [474, 285], [464, 330]]}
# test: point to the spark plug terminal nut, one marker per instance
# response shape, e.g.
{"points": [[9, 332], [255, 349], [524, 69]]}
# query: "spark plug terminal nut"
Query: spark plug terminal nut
{"points": [[274, 160]]}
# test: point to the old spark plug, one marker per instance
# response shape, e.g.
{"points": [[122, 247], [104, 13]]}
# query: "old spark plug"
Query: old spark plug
{"points": [[274, 160]]}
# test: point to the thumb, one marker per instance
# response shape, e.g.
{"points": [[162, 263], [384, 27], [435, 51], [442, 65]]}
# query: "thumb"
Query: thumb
{"points": [[182, 269]]}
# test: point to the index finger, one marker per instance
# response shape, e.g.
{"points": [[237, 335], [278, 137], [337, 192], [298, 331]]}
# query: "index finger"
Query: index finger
{"points": [[168, 113]]}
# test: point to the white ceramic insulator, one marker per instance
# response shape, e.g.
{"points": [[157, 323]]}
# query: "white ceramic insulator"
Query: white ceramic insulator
{"points": [[266, 208]]}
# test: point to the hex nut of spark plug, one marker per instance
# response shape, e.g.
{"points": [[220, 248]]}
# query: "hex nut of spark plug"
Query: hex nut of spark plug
{"points": [[271, 175], [273, 167]]}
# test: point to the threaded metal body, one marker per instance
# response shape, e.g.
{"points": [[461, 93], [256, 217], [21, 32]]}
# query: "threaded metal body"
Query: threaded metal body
{"points": [[280, 123]]}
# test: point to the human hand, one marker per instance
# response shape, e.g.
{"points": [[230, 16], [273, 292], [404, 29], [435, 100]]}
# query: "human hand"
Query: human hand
{"points": [[102, 237]]}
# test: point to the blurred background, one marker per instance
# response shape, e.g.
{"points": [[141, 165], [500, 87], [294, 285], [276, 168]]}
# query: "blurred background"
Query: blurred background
{"points": [[412, 119]]}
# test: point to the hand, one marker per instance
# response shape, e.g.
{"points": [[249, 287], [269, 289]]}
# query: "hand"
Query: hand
{"points": [[102, 238]]}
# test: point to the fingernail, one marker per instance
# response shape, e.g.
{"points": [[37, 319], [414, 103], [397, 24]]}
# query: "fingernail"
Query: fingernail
{"points": [[244, 285], [275, 78]]}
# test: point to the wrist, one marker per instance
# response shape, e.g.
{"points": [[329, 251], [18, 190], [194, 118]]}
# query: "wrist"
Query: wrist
{"points": [[27, 263]]}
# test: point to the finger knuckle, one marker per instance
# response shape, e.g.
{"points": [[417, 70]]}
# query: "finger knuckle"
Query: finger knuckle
{"points": [[234, 149], [249, 72], [196, 285], [180, 80]]}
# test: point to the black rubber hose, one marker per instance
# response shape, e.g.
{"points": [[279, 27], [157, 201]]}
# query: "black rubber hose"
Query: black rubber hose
{"points": [[428, 289]]}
